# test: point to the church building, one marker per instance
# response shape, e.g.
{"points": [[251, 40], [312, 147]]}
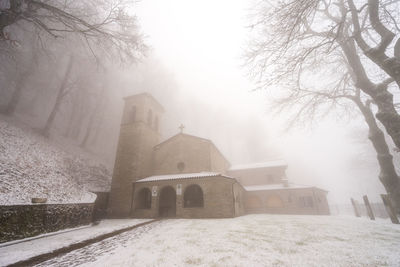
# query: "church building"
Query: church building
{"points": [[187, 176]]}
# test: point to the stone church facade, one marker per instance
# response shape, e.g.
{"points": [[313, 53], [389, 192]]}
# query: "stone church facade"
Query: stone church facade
{"points": [[188, 177]]}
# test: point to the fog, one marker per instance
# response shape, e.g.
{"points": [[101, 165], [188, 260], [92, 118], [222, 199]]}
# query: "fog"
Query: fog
{"points": [[200, 44], [195, 68]]}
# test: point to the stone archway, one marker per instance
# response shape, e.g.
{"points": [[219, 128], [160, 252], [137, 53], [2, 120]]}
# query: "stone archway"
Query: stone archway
{"points": [[274, 201], [167, 202], [253, 202]]}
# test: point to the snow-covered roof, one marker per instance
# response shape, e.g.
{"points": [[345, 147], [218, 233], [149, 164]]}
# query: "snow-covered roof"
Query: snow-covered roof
{"points": [[180, 176], [267, 164], [274, 187]]}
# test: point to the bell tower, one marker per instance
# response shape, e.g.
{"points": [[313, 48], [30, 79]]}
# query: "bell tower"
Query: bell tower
{"points": [[139, 133]]}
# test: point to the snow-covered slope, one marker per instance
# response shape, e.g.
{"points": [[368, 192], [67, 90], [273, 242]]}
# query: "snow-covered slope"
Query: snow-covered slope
{"points": [[31, 166]]}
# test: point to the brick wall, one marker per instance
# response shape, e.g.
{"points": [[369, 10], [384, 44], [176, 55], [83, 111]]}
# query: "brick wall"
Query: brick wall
{"points": [[21, 221]]}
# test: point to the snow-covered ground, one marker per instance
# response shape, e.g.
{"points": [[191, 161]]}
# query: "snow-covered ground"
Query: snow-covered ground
{"points": [[13, 252], [252, 240], [32, 166]]}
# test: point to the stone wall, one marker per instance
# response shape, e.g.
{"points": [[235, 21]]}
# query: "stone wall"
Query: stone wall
{"points": [[100, 205], [134, 152], [21, 221], [268, 175], [305, 201], [196, 154], [218, 196], [239, 196], [218, 162]]}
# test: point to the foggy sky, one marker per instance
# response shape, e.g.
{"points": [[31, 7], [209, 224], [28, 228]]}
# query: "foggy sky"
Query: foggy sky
{"points": [[200, 80]]}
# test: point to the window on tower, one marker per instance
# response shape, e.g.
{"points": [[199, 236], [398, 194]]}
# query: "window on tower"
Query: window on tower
{"points": [[132, 114], [156, 123], [150, 117]]}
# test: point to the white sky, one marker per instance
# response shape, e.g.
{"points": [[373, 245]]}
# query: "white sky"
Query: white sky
{"points": [[201, 44]]}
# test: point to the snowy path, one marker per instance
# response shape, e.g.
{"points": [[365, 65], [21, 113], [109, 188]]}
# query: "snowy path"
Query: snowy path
{"points": [[108, 246], [25, 250], [253, 240]]}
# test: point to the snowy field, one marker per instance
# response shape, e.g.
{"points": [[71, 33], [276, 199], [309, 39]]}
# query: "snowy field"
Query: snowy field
{"points": [[253, 240]]}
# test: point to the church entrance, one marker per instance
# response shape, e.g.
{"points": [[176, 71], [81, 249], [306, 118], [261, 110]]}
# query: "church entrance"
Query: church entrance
{"points": [[167, 202]]}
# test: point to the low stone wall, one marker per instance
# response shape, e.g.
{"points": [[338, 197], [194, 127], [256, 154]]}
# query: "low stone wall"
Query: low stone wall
{"points": [[100, 205], [21, 221]]}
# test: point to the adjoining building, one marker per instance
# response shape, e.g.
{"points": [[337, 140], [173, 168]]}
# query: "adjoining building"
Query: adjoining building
{"points": [[187, 176]]}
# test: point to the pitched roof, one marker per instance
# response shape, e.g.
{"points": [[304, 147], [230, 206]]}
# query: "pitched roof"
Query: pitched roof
{"points": [[267, 164], [191, 136], [181, 134], [266, 187], [181, 176]]}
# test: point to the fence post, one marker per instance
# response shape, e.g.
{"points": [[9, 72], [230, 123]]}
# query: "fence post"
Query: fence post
{"points": [[390, 209], [356, 212], [369, 208]]}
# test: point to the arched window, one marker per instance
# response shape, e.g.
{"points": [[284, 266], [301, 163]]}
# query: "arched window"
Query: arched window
{"points": [[149, 117], [193, 196], [156, 123], [132, 114], [144, 199]]}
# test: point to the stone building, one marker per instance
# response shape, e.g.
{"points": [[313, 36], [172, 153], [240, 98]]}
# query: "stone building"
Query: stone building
{"points": [[267, 190], [187, 176]]}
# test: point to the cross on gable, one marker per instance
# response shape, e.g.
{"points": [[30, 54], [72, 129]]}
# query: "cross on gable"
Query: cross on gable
{"points": [[181, 128]]}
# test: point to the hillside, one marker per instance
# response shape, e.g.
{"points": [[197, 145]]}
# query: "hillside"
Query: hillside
{"points": [[33, 166]]}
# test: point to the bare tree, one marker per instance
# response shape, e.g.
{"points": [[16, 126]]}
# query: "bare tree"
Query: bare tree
{"points": [[98, 107], [23, 70], [294, 37], [46, 29], [97, 23], [310, 49], [62, 92], [307, 103]]}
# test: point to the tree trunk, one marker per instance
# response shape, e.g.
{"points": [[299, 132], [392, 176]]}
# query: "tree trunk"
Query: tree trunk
{"points": [[98, 125], [377, 54], [22, 75], [60, 95], [92, 119], [75, 102], [387, 175], [387, 113], [80, 105], [12, 104]]}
